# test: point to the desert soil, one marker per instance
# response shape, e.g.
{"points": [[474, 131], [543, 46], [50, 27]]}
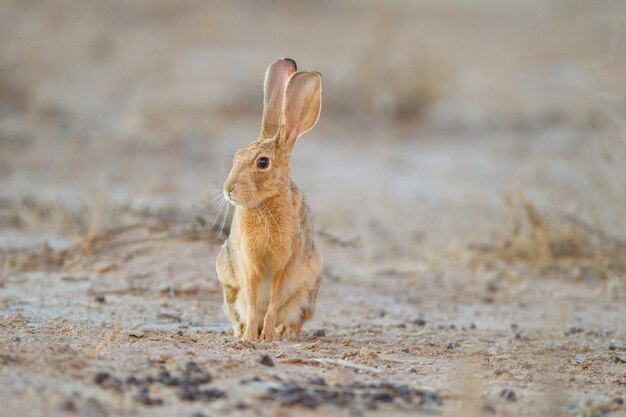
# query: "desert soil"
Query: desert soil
{"points": [[432, 301]]}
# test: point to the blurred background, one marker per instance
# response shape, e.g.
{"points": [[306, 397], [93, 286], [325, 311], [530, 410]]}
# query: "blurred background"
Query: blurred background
{"points": [[446, 103], [467, 179]]}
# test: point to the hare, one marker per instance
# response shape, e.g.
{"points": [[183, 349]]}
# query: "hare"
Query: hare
{"points": [[269, 268]]}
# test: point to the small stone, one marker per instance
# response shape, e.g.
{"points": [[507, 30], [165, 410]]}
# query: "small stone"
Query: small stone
{"points": [[240, 405], [413, 370], [108, 381], [450, 346], [472, 326], [100, 377], [136, 333], [419, 322], [574, 330], [143, 397], [405, 350], [620, 359], [318, 381], [521, 336], [101, 299], [68, 406], [180, 333], [319, 333], [508, 394], [266, 360]]}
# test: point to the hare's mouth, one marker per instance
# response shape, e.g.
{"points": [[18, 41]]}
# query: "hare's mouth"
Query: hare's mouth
{"points": [[233, 201]]}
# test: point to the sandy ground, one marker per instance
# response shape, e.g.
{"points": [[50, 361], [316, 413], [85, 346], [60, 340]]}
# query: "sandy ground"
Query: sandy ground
{"points": [[475, 255]]}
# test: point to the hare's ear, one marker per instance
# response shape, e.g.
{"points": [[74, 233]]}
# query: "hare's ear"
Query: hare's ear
{"points": [[301, 106], [276, 79]]}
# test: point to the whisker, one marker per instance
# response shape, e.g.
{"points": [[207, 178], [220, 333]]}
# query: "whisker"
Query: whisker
{"points": [[218, 211], [206, 202], [213, 192], [224, 220]]}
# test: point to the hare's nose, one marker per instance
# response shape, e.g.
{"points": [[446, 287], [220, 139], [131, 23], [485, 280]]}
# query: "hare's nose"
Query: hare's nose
{"points": [[229, 188]]}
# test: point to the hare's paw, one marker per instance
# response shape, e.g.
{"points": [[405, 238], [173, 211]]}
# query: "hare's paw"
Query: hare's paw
{"points": [[269, 326], [289, 332], [238, 329], [250, 333], [267, 335]]}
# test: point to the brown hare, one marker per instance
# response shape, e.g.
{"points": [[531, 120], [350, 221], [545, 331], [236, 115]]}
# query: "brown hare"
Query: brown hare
{"points": [[269, 268]]}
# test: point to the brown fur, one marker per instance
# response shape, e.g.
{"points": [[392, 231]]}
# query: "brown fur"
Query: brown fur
{"points": [[269, 268]]}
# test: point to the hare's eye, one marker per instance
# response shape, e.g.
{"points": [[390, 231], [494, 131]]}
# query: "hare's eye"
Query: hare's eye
{"points": [[263, 162]]}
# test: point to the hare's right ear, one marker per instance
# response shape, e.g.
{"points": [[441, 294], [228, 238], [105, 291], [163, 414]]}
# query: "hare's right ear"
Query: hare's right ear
{"points": [[276, 79], [301, 106]]}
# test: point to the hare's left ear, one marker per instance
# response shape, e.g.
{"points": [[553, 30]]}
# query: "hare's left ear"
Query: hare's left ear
{"points": [[301, 106], [276, 78]]}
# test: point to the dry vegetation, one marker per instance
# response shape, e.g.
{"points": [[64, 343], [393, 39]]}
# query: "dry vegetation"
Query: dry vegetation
{"points": [[90, 231], [561, 243]]}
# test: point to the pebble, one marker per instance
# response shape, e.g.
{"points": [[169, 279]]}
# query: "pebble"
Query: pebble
{"points": [[357, 396], [143, 397], [188, 381], [108, 381], [508, 394], [266, 360], [319, 333]]}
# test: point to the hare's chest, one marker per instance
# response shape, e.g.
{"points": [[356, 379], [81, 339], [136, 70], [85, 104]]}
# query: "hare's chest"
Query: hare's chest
{"points": [[265, 254], [265, 241]]}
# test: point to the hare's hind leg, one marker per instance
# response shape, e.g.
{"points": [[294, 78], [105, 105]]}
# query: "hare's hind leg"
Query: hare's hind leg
{"points": [[309, 309], [290, 316], [228, 282], [298, 310], [315, 264], [301, 305]]}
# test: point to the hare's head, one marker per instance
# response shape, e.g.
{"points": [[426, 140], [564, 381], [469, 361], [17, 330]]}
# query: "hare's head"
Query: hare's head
{"points": [[292, 105]]}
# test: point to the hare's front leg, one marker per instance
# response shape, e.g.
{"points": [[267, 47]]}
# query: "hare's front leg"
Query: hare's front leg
{"points": [[269, 322], [251, 331], [230, 296], [230, 287]]}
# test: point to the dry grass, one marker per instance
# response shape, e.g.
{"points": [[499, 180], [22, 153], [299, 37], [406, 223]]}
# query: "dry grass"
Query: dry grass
{"points": [[89, 230], [545, 241]]}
